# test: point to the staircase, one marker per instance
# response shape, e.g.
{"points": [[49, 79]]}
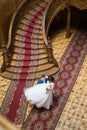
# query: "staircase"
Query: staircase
{"points": [[29, 51]]}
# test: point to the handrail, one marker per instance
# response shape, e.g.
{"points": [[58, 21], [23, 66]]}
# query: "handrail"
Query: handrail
{"points": [[46, 24], [61, 4], [10, 30], [82, 4], [11, 24], [20, 5], [43, 24]]}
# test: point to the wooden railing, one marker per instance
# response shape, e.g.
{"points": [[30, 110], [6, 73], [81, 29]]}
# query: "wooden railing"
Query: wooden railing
{"points": [[53, 8], [80, 4]]}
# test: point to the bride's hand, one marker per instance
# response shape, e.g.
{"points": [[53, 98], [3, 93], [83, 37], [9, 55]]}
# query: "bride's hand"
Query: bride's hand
{"points": [[48, 89]]}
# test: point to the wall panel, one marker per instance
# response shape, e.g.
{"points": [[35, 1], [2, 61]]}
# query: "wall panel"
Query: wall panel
{"points": [[7, 8]]}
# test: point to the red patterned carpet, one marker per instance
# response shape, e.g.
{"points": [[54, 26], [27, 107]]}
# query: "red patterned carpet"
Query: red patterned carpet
{"points": [[14, 105], [71, 63]]}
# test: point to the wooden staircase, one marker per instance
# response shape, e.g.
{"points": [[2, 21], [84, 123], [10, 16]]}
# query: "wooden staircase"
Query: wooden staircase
{"points": [[29, 51]]}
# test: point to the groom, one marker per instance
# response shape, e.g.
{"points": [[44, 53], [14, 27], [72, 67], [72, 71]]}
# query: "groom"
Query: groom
{"points": [[43, 79]]}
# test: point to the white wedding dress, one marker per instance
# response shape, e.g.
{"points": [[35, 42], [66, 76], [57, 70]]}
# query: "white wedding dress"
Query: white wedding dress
{"points": [[39, 96]]}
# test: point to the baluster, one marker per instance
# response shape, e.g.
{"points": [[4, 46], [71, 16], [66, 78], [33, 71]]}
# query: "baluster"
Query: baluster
{"points": [[51, 58], [68, 19], [49, 51], [6, 58]]}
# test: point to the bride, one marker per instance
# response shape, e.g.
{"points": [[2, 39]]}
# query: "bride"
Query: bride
{"points": [[41, 94]]}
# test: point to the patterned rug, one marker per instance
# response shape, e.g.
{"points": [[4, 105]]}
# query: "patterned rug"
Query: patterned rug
{"points": [[71, 63], [14, 104]]}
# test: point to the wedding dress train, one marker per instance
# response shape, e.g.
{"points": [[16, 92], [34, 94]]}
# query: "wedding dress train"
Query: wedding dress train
{"points": [[40, 95]]}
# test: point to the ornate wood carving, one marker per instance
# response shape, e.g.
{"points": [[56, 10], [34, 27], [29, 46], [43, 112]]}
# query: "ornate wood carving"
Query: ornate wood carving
{"points": [[58, 5], [50, 53], [49, 16], [81, 4], [6, 58], [53, 9], [68, 19]]}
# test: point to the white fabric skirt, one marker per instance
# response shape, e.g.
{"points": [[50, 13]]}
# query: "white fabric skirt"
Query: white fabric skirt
{"points": [[39, 96]]}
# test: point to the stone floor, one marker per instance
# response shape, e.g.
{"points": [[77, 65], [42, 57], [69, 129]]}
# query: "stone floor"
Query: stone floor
{"points": [[74, 115]]}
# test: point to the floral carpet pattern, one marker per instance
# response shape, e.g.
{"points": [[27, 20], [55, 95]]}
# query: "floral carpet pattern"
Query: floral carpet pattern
{"points": [[14, 104], [71, 63], [74, 115]]}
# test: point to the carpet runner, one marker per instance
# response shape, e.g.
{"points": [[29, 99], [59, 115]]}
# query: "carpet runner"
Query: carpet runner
{"points": [[14, 105], [71, 63]]}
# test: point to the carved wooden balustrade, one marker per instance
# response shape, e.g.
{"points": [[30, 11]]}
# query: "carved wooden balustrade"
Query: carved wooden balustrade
{"points": [[80, 4], [6, 58], [52, 10]]}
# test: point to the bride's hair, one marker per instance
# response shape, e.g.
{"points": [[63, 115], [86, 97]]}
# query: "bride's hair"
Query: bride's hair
{"points": [[51, 78], [42, 76]]}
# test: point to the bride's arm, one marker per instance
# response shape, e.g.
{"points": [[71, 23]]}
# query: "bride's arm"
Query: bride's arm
{"points": [[49, 87]]}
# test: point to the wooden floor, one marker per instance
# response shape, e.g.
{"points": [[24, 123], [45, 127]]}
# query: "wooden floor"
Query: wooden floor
{"points": [[74, 115]]}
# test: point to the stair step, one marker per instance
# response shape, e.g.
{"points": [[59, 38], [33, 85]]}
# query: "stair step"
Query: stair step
{"points": [[38, 6], [40, 62], [17, 69], [32, 18], [51, 71], [28, 57], [28, 46], [37, 10], [26, 21], [35, 16], [33, 21], [26, 29], [42, 4], [44, 67], [32, 14], [23, 51], [29, 42], [27, 36], [30, 26], [22, 29], [30, 37], [13, 76]]}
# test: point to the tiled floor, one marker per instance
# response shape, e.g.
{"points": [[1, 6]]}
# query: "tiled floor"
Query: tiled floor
{"points": [[74, 115]]}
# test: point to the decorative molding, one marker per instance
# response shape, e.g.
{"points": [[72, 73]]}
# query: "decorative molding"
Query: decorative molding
{"points": [[81, 4]]}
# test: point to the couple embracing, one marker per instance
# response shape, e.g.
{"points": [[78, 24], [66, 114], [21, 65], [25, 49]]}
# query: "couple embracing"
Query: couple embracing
{"points": [[41, 94]]}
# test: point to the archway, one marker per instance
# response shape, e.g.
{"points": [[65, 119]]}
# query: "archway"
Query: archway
{"points": [[78, 20]]}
